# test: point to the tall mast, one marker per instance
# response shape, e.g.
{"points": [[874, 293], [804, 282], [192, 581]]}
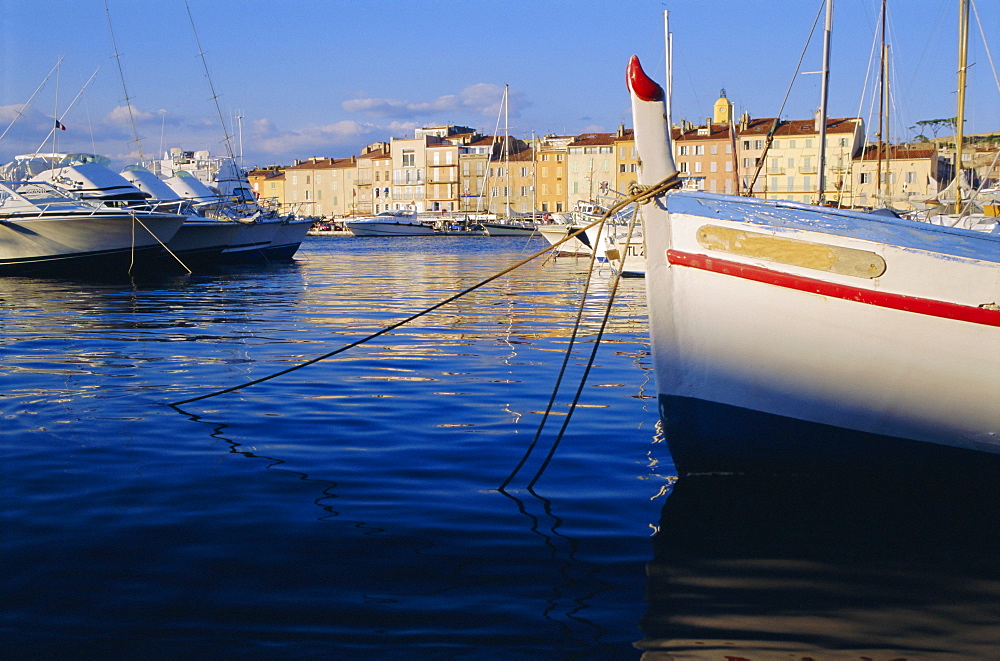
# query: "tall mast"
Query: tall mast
{"points": [[506, 148], [823, 101], [963, 50], [886, 180], [534, 178], [668, 49], [881, 105]]}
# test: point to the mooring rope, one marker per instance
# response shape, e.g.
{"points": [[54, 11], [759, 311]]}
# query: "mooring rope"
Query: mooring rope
{"points": [[640, 197], [135, 219], [640, 194]]}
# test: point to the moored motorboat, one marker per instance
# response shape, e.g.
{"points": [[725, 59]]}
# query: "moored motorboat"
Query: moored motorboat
{"points": [[788, 337], [510, 227], [45, 230], [390, 223], [89, 177]]}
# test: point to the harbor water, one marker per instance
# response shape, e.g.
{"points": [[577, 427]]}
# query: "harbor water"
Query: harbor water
{"points": [[349, 509], [352, 509]]}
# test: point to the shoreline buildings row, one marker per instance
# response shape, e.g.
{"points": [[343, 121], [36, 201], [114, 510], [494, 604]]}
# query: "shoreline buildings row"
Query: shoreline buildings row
{"points": [[456, 169]]}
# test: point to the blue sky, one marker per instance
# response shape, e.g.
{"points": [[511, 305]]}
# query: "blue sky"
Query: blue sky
{"points": [[324, 78]]}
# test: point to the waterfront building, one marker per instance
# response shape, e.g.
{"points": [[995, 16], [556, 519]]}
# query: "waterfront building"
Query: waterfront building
{"points": [[626, 160], [371, 187], [268, 184], [322, 187], [704, 156], [409, 164], [590, 161], [903, 177], [752, 138], [442, 176], [550, 171], [474, 159], [793, 159]]}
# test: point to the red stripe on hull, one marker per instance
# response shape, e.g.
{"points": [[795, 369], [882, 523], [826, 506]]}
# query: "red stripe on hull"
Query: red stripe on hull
{"points": [[883, 299]]}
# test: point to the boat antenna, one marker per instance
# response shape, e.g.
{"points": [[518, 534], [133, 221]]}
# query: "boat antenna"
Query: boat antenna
{"points": [[121, 76], [20, 113], [227, 139], [825, 89], [52, 129]]}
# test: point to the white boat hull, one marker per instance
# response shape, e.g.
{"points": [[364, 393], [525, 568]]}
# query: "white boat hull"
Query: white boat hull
{"points": [[287, 239], [202, 240], [100, 243], [388, 228], [614, 242], [251, 241], [557, 232], [509, 229], [759, 325]]}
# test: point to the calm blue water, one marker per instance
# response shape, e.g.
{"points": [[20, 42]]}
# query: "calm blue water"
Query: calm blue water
{"points": [[350, 509], [346, 510]]}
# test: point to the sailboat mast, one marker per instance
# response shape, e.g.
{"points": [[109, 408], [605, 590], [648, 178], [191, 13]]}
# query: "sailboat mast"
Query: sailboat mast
{"points": [[887, 179], [506, 148], [881, 105], [825, 89], [963, 50], [668, 49], [534, 179]]}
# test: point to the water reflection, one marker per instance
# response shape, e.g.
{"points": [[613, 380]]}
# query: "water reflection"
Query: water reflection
{"points": [[757, 569]]}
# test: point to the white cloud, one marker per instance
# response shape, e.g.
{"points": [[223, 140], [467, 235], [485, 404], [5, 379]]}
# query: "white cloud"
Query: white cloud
{"points": [[481, 99], [120, 115]]}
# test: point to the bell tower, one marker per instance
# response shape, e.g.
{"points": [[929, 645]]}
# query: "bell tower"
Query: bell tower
{"points": [[723, 110]]}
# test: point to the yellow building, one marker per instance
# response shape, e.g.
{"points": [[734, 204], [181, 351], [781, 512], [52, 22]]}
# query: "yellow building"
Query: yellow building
{"points": [[268, 185], [550, 172], [626, 160], [322, 187], [590, 166], [793, 159], [705, 157], [901, 176]]}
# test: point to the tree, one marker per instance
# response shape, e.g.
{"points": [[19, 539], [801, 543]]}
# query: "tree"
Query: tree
{"points": [[936, 125]]}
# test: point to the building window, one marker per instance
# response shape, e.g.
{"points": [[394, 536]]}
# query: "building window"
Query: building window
{"points": [[682, 150], [699, 150], [697, 166], [409, 158], [712, 167], [682, 167], [865, 178]]}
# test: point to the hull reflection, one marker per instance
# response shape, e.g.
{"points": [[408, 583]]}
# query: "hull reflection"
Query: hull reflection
{"points": [[758, 569]]}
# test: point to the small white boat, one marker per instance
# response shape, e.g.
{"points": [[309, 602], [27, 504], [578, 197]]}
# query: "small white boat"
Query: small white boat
{"points": [[45, 230], [615, 241], [556, 232], [390, 223], [510, 227], [788, 337]]}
